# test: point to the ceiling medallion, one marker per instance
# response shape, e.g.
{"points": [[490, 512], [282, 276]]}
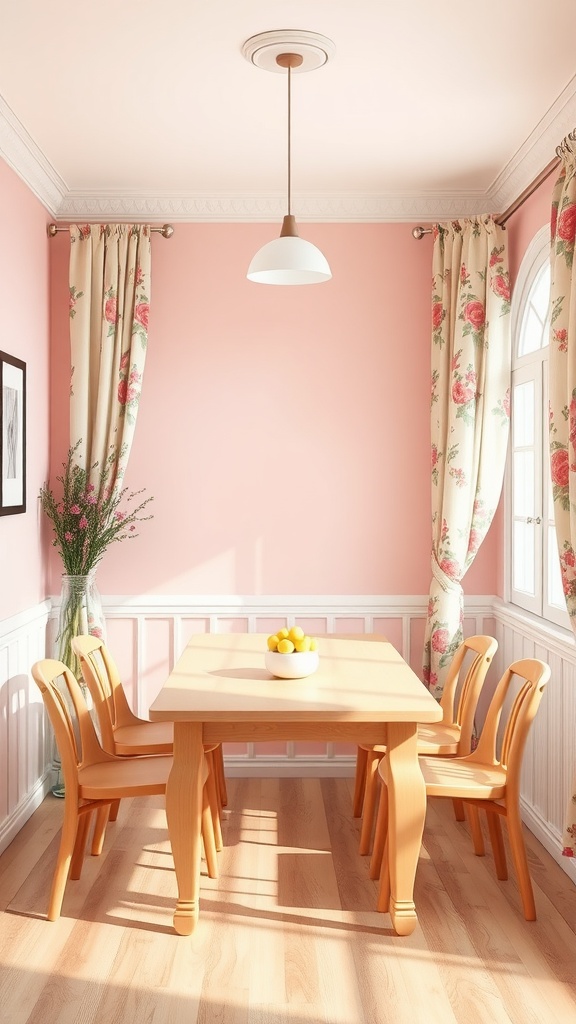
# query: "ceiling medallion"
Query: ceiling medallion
{"points": [[263, 49]]}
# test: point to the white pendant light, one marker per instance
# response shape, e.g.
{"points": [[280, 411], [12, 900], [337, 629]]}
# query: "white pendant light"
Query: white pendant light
{"points": [[288, 259]]}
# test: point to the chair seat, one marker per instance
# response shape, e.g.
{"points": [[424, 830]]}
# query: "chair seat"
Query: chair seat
{"points": [[144, 738], [441, 739], [120, 778], [462, 779], [438, 739]]}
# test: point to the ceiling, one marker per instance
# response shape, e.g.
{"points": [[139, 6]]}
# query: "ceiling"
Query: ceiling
{"points": [[147, 109]]}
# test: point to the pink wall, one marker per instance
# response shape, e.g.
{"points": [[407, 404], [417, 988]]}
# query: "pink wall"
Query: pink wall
{"points": [[526, 222], [284, 432], [24, 301]]}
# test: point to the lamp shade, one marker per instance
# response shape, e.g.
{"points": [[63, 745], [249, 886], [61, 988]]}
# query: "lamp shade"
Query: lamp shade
{"points": [[289, 260]]}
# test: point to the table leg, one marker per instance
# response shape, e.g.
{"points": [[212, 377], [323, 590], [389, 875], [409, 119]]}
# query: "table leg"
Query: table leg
{"points": [[184, 815], [406, 815]]}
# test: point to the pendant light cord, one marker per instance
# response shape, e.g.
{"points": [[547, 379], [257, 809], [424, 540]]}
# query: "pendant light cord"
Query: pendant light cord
{"points": [[289, 134]]}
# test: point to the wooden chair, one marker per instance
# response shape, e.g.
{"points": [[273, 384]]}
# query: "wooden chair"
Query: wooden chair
{"points": [[482, 779], [123, 733], [94, 779], [452, 737]]}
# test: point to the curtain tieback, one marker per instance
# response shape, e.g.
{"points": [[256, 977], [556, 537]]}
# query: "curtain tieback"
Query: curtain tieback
{"points": [[448, 585]]}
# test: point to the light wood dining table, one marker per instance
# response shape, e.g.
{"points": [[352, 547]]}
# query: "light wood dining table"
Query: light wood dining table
{"points": [[220, 691]]}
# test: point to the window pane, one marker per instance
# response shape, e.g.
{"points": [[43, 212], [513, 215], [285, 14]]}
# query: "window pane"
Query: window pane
{"points": [[523, 575], [532, 327], [540, 296], [535, 320], [524, 481], [523, 414]]}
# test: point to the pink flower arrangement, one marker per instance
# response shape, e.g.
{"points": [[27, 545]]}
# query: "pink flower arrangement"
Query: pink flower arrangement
{"points": [[87, 519]]}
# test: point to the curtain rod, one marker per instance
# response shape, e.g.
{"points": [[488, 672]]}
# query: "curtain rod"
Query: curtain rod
{"points": [[166, 230], [501, 219]]}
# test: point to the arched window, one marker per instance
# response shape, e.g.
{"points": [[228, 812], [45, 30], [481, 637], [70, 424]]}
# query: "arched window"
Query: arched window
{"points": [[534, 581]]}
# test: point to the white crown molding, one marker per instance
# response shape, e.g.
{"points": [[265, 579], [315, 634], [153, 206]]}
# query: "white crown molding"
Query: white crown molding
{"points": [[25, 158], [22, 154], [537, 151], [271, 208]]}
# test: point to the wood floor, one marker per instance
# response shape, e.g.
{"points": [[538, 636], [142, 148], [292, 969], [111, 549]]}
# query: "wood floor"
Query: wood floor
{"points": [[287, 933]]}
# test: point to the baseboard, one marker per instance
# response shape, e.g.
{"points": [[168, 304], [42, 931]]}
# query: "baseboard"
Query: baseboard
{"points": [[12, 825], [551, 839], [287, 768]]}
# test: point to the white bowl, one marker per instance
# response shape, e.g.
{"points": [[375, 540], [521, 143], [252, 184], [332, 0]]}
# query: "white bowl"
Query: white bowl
{"points": [[291, 666]]}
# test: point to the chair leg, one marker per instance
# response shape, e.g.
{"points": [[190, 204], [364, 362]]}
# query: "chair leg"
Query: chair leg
{"points": [[497, 842], [102, 816], [370, 798], [80, 845], [115, 807], [220, 775], [360, 781], [380, 864], [213, 798], [520, 859], [383, 904], [475, 830], [208, 837], [67, 843], [459, 812], [380, 834]]}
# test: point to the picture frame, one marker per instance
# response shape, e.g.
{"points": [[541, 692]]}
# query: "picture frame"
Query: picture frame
{"points": [[12, 435]]}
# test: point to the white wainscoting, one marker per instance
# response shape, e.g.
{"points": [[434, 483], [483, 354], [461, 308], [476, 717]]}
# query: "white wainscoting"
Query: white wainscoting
{"points": [[147, 634], [550, 755], [25, 738]]}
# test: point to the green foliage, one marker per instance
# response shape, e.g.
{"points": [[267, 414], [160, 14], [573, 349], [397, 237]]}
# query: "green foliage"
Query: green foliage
{"points": [[87, 518]]}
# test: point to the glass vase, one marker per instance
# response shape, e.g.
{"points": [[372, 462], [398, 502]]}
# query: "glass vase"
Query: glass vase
{"points": [[80, 614]]}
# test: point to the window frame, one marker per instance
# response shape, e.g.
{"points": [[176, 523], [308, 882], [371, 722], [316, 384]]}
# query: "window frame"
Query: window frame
{"points": [[535, 257]]}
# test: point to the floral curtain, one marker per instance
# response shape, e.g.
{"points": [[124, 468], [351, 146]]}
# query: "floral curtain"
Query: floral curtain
{"points": [[470, 414], [109, 306], [562, 397]]}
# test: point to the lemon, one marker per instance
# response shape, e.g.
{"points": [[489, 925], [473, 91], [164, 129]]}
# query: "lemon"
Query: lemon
{"points": [[303, 644], [272, 643], [296, 633], [285, 646], [282, 634], [313, 644]]}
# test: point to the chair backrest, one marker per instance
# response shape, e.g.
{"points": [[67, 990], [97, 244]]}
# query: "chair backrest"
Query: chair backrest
{"points": [[533, 675], [64, 701], [459, 704], [103, 681]]}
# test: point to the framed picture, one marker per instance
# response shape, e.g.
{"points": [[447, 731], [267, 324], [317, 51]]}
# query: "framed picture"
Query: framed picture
{"points": [[12, 435]]}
